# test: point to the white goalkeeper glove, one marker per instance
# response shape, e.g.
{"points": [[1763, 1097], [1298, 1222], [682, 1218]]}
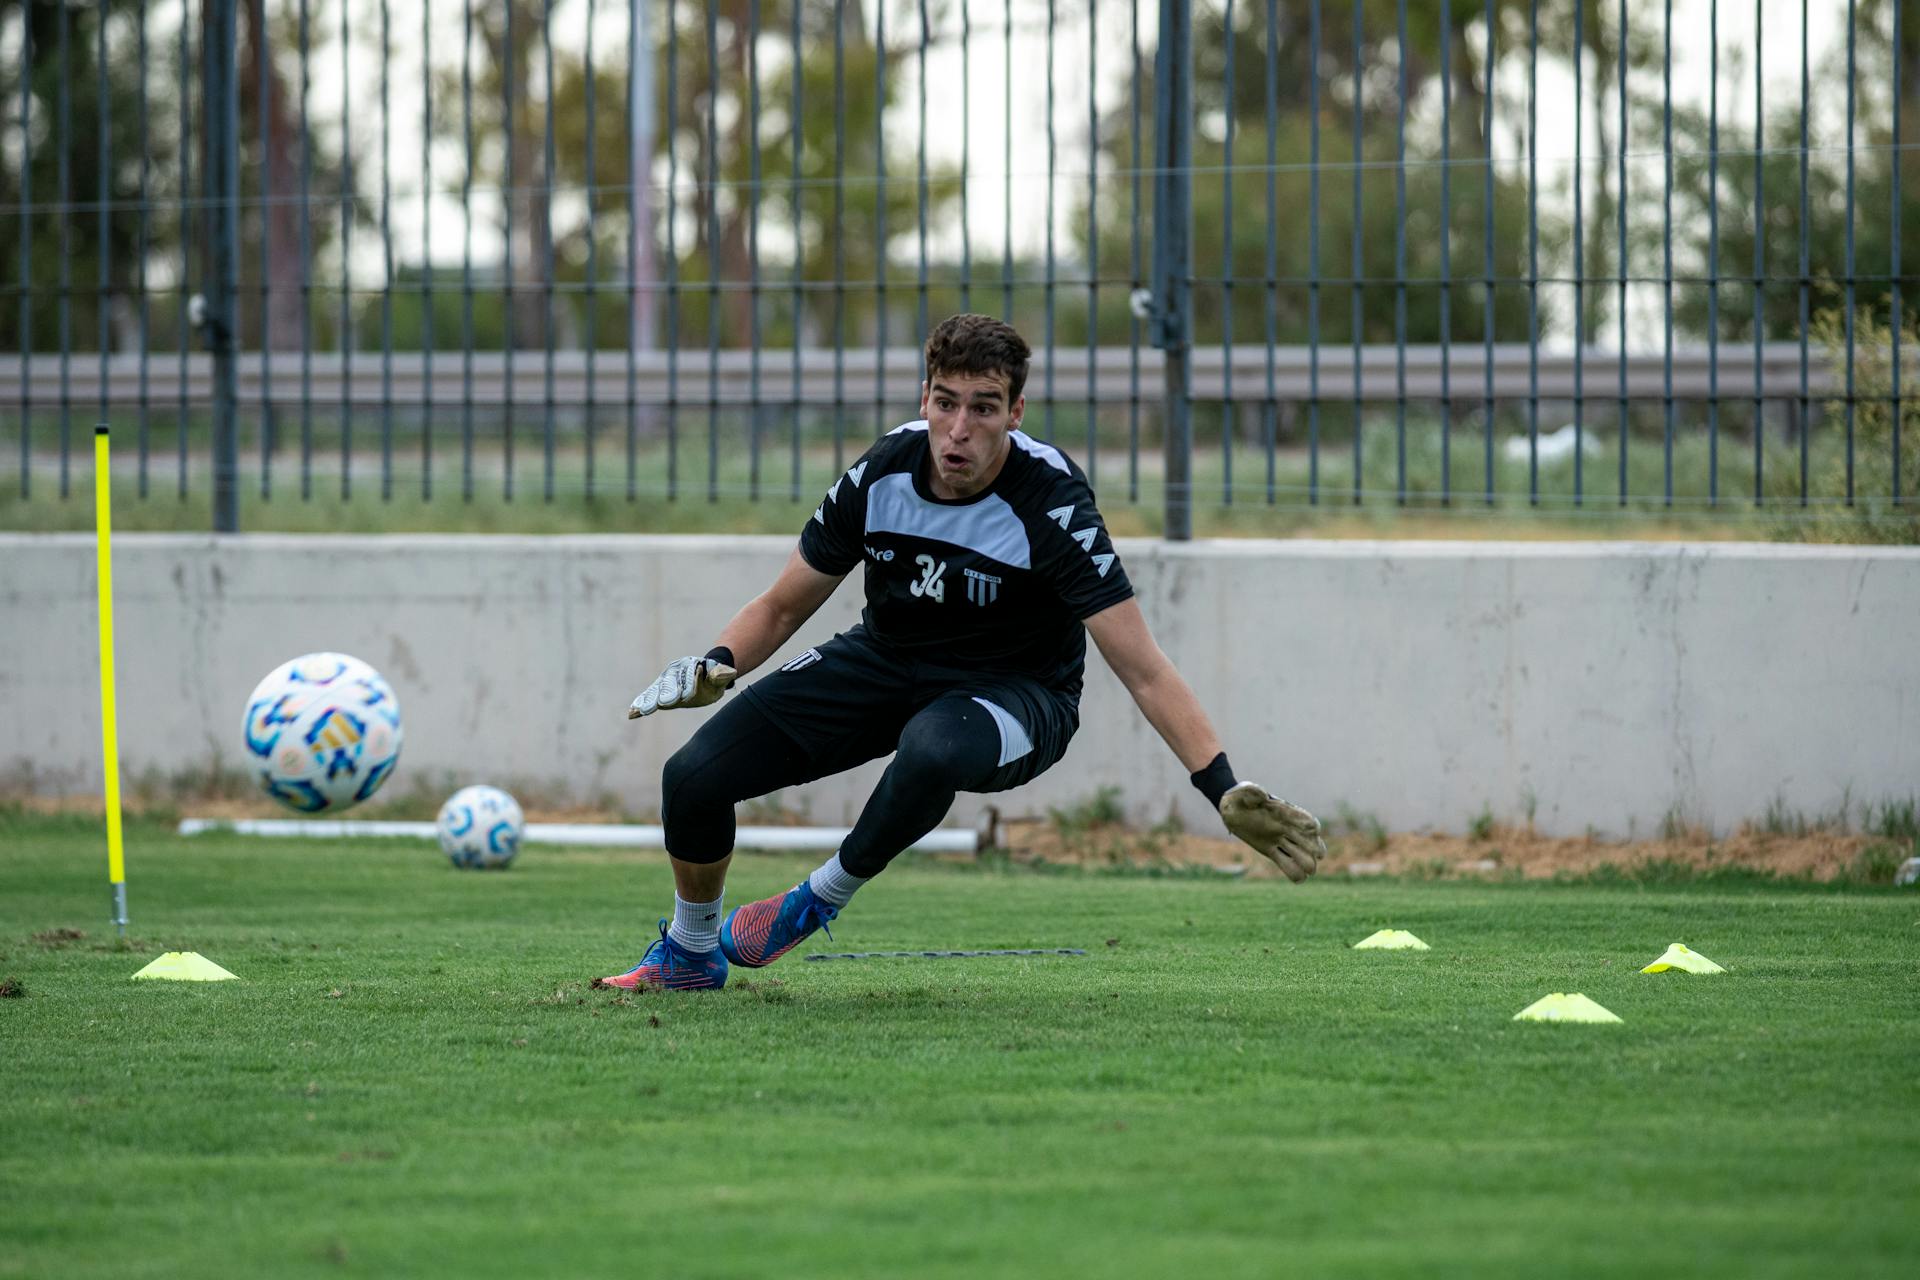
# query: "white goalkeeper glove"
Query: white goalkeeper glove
{"points": [[687, 682], [1284, 833]]}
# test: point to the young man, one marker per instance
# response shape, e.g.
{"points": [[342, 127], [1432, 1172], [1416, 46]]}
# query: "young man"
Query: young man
{"points": [[986, 566]]}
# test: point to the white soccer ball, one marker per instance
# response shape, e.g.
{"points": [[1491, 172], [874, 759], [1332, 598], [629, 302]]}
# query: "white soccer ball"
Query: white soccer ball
{"points": [[322, 732], [480, 826]]}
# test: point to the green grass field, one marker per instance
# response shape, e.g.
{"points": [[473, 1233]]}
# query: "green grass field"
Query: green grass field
{"points": [[413, 1079]]}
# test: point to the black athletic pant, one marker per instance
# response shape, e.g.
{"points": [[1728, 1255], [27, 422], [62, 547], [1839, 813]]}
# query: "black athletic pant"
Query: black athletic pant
{"points": [[845, 703]]}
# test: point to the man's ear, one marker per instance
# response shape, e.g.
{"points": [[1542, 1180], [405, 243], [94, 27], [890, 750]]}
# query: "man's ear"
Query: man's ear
{"points": [[923, 399], [1014, 416]]}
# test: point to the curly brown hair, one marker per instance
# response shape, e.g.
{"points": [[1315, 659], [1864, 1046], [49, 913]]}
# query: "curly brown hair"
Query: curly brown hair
{"points": [[977, 344]]}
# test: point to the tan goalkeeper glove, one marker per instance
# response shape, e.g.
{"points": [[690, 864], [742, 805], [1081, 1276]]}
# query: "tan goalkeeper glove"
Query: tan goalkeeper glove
{"points": [[687, 682], [1284, 833]]}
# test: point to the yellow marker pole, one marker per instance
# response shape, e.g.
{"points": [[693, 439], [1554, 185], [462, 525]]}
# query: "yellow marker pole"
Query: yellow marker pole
{"points": [[109, 732]]}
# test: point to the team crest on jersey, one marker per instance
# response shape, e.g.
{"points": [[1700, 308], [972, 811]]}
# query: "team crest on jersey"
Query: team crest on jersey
{"points": [[801, 660], [982, 588]]}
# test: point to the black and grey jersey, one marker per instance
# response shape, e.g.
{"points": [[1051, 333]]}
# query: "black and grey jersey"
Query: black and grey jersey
{"points": [[999, 581]]}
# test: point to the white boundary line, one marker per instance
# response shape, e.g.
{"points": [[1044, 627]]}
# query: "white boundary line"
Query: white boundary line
{"points": [[600, 835]]}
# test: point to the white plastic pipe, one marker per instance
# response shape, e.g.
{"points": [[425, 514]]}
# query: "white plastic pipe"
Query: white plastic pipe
{"points": [[596, 834]]}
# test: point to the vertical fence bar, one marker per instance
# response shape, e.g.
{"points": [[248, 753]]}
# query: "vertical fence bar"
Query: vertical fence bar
{"points": [[713, 254], [306, 262], [466, 255], [182, 285], [26, 264], [1446, 253], [966, 155], [510, 192], [549, 267], [1850, 261], [1359, 218], [268, 189], [1620, 308], [1666, 235], [798, 143], [1173, 254], [1052, 168], [1313, 255], [386, 250], [64, 273], [1486, 271], [639, 231], [427, 337], [140, 244], [103, 132], [592, 193], [1226, 282], [1006, 156], [1806, 418], [222, 114], [1269, 407], [880, 424], [1713, 253], [344, 340], [838, 235], [1138, 284], [1093, 238], [1579, 259], [669, 217], [1759, 248], [1898, 315], [1533, 253], [755, 417], [920, 191], [1400, 267]]}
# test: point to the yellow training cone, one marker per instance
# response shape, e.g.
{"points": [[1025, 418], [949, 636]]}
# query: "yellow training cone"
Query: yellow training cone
{"points": [[1678, 957], [1391, 940], [1564, 1008], [185, 966]]}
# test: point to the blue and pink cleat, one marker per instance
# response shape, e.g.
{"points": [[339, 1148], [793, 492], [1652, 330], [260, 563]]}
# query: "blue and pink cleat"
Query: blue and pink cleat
{"points": [[761, 932], [669, 967]]}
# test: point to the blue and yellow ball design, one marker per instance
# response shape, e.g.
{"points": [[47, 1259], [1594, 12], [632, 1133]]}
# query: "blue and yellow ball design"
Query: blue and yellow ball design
{"points": [[322, 732], [481, 827]]}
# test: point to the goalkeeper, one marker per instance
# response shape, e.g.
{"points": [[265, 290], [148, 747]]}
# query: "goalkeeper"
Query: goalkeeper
{"points": [[986, 566]]}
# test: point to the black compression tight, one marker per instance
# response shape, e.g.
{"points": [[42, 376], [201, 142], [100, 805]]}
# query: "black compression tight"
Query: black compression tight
{"points": [[735, 756], [951, 745]]}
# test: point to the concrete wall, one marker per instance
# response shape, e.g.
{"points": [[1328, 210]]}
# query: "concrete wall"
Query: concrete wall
{"points": [[1605, 685]]}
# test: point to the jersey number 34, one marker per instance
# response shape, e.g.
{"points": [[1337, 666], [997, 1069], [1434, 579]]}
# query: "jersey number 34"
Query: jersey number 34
{"points": [[931, 584]]}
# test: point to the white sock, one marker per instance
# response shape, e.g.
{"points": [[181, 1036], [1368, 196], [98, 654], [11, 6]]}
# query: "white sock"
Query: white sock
{"points": [[833, 884], [696, 925]]}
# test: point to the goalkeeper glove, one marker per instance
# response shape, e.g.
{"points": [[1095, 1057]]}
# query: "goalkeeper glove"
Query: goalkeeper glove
{"points": [[687, 682], [1284, 833]]}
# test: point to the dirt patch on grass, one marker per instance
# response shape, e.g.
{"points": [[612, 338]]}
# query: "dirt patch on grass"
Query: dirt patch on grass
{"points": [[10, 989], [55, 939], [1091, 835], [1502, 853]]}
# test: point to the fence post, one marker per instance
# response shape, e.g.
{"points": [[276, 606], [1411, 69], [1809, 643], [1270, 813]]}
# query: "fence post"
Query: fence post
{"points": [[217, 319], [1173, 252]]}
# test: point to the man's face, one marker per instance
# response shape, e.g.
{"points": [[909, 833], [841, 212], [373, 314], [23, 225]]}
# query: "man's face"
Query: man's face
{"points": [[968, 420]]}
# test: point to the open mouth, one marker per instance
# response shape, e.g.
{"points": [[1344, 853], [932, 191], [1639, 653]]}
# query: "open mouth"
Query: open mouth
{"points": [[955, 461]]}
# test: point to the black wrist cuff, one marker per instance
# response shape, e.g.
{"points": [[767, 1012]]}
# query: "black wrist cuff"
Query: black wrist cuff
{"points": [[1215, 780], [720, 653]]}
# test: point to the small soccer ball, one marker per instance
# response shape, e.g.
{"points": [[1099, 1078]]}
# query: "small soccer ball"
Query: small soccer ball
{"points": [[322, 732], [480, 826]]}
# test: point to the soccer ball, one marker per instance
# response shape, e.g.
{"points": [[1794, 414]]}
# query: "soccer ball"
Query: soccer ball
{"points": [[480, 826], [322, 732]]}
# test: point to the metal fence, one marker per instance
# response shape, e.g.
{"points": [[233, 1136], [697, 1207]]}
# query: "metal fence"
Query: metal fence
{"points": [[1546, 255]]}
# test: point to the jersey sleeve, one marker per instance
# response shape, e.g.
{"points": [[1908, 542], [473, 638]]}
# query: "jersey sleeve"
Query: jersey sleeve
{"points": [[1075, 554], [833, 537]]}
